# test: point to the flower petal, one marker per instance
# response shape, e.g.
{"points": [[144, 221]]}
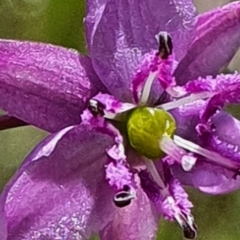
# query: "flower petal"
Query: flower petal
{"points": [[225, 186], [227, 128], [60, 191], [203, 174], [120, 32], [44, 85], [208, 178], [216, 42], [224, 140], [136, 221]]}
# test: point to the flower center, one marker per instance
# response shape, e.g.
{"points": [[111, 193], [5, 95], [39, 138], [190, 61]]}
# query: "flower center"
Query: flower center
{"points": [[145, 128]]}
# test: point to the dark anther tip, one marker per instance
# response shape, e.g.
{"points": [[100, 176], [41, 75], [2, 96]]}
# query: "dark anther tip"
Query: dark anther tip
{"points": [[189, 233], [165, 45], [96, 107], [188, 227], [123, 199]]}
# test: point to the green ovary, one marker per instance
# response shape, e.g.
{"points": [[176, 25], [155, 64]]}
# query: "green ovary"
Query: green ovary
{"points": [[146, 126]]}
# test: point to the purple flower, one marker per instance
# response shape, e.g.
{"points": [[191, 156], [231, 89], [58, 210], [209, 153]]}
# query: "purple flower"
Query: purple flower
{"points": [[128, 127]]}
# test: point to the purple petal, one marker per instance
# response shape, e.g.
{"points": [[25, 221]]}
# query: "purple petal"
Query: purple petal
{"points": [[216, 42], [224, 140], [224, 186], [208, 178], [120, 32], [203, 174], [44, 85], [136, 221], [60, 191], [227, 128]]}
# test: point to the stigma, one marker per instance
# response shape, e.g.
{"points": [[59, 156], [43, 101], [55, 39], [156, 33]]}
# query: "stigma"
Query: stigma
{"points": [[146, 127]]}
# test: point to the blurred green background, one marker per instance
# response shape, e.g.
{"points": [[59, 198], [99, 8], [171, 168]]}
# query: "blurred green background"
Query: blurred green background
{"points": [[60, 22]]}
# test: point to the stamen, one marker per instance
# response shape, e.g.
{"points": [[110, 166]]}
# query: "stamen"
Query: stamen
{"points": [[188, 226], [193, 97], [147, 88], [177, 206], [209, 155], [123, 198], [96, 107], [107, 106], [177, 154], [171, 201], [152, 169]]}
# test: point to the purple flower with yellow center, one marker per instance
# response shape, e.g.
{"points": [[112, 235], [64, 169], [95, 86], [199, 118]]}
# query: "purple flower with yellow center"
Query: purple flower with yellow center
{"points": [[128, 126]]}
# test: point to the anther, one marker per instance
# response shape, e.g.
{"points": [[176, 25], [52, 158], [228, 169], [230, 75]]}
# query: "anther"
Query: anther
{"points": [[96, 108], [188, 232], [123, 198], [165, 45], [188, 226]]}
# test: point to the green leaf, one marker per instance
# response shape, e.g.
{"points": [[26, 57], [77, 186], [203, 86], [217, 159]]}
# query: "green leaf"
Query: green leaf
{"points": [[55, 21], [15, 144]]}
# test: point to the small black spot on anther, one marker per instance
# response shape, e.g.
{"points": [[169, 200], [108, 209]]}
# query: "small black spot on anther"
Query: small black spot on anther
{"points": [[189, 233], [96, 107], [123, 199], [165, 45]]}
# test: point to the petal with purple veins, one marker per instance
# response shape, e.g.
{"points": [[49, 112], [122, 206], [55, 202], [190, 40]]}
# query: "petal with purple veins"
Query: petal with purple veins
{"points": [[227, 127], [45, 85], [120, 32], [54, 194], [216, 42]]}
